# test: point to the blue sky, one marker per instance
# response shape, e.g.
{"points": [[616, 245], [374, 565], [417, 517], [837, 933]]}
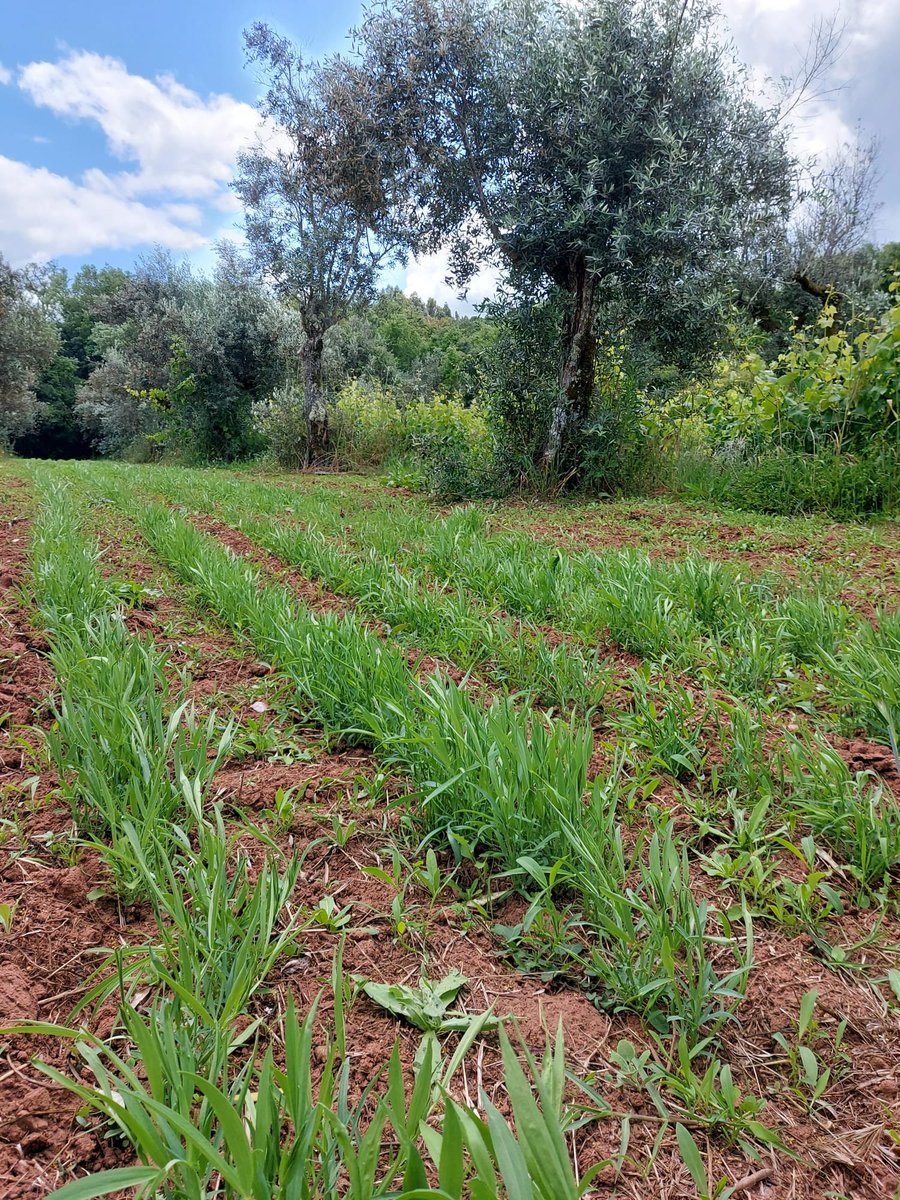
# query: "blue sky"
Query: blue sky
{"points": [[120, 119], [178, 69]]}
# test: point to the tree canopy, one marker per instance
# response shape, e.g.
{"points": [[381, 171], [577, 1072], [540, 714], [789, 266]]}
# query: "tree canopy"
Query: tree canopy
{"points": [[611, 150], [28, 343], [314, 230]]}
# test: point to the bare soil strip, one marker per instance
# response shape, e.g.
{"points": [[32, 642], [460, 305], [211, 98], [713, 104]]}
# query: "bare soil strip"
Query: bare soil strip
{"points": [[48, 950]]}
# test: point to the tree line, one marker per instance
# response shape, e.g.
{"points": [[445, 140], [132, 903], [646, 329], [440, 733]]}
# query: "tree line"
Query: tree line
{"points": [[610, 159]]}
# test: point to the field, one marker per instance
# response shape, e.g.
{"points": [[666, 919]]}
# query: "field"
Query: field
{"points": [[573, 828]]}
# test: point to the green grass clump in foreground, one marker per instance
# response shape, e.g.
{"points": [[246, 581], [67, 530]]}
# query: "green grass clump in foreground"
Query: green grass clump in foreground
{"points": [[189, 1084], [125, 744]]}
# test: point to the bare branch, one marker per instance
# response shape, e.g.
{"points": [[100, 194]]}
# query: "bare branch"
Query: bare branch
{"points": [[813, 78]]}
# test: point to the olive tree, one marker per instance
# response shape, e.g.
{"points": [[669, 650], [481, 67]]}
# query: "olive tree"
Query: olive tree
{"points": [[611, 150], [829, 235], [28, 342], [311, 209], [231, 354]]}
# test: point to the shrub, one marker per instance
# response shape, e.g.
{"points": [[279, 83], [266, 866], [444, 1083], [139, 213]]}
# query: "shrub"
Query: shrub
{"points": [[279, 421], [827, 391], [372, 423], [519, 374], [617, 452], [367, 424], [456, 448], [818, 430], [789, 482]]}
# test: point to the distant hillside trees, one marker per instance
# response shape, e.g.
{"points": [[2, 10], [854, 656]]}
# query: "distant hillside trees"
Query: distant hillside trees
{"points": [[184, 360], [415, 345]]}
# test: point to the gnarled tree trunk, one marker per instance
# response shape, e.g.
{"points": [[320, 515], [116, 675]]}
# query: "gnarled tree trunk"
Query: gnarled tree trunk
{"points": [[576, 385], [315, 410], [827, 293]]}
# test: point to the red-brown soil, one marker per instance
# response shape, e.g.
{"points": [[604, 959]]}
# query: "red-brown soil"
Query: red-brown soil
{"points": [[46, 958], [54, 929]]}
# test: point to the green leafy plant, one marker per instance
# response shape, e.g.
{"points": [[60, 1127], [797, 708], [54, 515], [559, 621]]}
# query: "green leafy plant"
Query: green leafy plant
{"points": [[330, 916], [810, 1076], [428, 1006], [854, 813]]}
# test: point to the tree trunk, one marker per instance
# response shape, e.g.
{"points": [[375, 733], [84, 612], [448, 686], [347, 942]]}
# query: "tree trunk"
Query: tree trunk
{"points": [[315, 410], [827, 293], [576, 387]]}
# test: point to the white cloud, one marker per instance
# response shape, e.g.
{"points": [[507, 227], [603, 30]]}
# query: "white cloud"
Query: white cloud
{"points": [[772, 36], [427, 277], [182, 144], [180, 147], [43, 215], [227, 202], [5, 74]]}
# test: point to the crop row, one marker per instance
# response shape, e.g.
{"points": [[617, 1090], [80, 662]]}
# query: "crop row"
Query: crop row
{"points": [[513, 786], [755, 638], [188, 1077], [503, 781], [509, 781], [607, 878]]}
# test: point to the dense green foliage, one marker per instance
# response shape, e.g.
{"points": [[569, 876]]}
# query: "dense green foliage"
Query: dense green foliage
{"points": [[183, 361], [416, 346], [817, 429], [28, 342], [607, 153], [676, 307]]}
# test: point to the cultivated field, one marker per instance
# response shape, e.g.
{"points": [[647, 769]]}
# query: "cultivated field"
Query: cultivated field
{"points": [[305, 784]]}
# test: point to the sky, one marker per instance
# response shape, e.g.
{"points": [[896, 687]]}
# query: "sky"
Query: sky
{"points": [[120, 120]]}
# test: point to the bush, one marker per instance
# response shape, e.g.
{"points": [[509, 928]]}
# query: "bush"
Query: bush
{"points": [[818, 430], [790, 482], [618, 455], [143, 449], [826, 392], [279, 421], [372, 424], [367, 425], [519, 376]]}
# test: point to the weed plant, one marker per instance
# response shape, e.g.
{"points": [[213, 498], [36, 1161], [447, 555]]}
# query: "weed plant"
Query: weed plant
{"points": [[854, 813]]}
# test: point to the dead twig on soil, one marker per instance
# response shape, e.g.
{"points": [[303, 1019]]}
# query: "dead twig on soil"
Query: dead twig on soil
{"points": [[749, 1181]]}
